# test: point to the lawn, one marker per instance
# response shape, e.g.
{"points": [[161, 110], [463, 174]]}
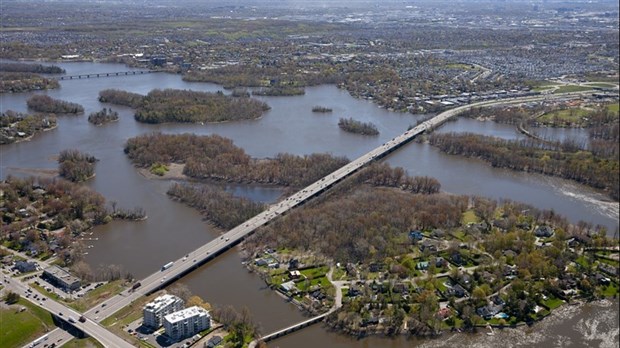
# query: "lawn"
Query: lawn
{"points": [[315, 272], [613, 107], [440, 284], [19, 328], [98, 295], [572, 88], [44, 292], [601, 84], [574, 115], [339, 274], [129, 313], [582, 261], [460, 235], [83, 343], [611, 290], [304, 285], [552, 303], [469, 217]]}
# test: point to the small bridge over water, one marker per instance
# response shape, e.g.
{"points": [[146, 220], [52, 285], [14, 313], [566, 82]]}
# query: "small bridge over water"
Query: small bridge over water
{"points": [[289, 329], [106, 74]]}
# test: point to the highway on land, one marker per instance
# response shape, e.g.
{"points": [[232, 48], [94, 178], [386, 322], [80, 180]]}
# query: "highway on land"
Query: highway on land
{"points": [[90, 327], [208, 251]]}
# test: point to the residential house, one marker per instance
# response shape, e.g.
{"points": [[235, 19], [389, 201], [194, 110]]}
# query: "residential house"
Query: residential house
{"points": [[488, 311], [376, 267], [543, 231], [416, 235], [456, 258], [25, 266], [293, 264], [422, 265], [294, 274]]}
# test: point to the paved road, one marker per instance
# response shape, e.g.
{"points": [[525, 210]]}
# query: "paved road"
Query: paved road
{"points": [[63, 312], [186, 264]]}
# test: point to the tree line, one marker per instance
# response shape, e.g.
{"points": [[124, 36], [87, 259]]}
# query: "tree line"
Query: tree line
{"points": [[529, 155], [44, 103], [76, 166], [217, 158], [106, 115], [363, 224], [118, 97], [171, 105], [279, 91], [384, 175], [353, 126], [31, 68], [218, 206]]}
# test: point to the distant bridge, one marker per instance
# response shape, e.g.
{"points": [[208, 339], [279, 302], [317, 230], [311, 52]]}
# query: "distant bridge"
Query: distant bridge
{"points": [[106, 74]]}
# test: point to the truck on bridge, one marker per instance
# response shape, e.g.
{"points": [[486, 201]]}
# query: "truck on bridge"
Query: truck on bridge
{"points": [[166, 266]]}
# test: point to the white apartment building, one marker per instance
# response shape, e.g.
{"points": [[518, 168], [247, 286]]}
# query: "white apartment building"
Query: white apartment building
{"points": [[155, 311], [187, 322]]}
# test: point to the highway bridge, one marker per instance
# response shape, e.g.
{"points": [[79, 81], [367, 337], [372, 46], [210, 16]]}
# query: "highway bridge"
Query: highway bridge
{"points": [[176, 269], [106, 74]]}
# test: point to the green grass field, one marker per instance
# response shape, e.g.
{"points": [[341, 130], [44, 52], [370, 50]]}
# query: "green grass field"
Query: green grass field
{"points": [[553, 303], [564, 116], [469, 217], [601, 84], [83, 343], [98, 295], [19, 328], [572, 88]]}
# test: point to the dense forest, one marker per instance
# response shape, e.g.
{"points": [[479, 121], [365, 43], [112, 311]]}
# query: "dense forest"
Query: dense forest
{"points": [[15, 126], [15, 82], [218, 206], [217, 158], [364, 219], [31, 68], [353, 126], [76, 166], [529, 155], [118, 97], [44, 103], [106, 115], [279, 91], [171, 105]]}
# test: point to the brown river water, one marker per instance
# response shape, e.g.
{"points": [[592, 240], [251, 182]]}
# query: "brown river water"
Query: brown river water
{"points": [[173, 229]]}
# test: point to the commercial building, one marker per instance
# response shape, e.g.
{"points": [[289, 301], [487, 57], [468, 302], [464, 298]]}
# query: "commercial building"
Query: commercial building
{"points": [[61, 278], [154, 312], [186, 323]]}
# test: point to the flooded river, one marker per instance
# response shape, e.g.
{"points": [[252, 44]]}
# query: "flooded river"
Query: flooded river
{"points": [[173, 229]]}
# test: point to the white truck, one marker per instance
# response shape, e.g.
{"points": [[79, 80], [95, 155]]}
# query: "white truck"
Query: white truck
{"points": [[166, 266]]}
